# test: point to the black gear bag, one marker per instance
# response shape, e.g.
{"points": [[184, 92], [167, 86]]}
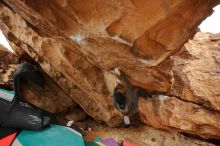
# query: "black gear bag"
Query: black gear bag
{"points": [[17, 113]]}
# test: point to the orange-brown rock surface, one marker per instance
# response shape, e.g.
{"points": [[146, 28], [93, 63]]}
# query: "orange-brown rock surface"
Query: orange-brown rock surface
{"points": [[195, 107], [78, 43], [8, 64], [197, 78], [51, 97]]}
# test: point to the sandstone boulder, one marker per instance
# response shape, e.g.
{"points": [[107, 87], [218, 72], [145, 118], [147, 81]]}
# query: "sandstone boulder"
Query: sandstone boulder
{"points": [[78, 43], [51, 97]]}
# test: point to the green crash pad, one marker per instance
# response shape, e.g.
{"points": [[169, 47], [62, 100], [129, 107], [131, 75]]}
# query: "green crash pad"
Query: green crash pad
{"points": [[7, 95], [55, 135]]}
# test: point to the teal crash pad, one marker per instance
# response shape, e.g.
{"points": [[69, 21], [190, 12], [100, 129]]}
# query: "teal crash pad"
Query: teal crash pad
{"points": [[7, 95], [55, 135]]}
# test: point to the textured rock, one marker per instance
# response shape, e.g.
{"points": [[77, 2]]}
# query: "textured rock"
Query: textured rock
{"points": [[196, 82], [142, 135], [51, 97], [76, 114], [71, 70], [173, 114], [77, 43], [8, 64], [131, 21], [197, 78]]}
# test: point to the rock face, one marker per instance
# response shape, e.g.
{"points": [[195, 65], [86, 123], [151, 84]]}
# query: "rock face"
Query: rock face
{"points": [[195, 109], [51, 97], [174, 114], [75, 114], [78, 43], [197, 78], [8, 64]]}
